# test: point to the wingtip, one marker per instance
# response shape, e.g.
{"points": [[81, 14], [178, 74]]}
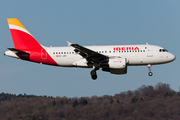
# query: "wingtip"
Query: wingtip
{"points": [[69, 44]]}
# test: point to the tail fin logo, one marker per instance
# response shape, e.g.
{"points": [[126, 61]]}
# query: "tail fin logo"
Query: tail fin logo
{"points": [[15, 24], [21, 37]]}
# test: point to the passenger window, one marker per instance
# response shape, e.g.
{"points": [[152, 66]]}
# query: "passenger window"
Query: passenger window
{"points": [[53, 52], [56, 52], [109, 51], [64, 52], [61, 52]]}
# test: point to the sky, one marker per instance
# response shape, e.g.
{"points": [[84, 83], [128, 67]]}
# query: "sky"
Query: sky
{"points": [[102, 22]]}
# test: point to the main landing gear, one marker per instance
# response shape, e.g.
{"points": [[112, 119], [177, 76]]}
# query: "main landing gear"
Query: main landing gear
{"points": [[149, 69], [94, 74]]}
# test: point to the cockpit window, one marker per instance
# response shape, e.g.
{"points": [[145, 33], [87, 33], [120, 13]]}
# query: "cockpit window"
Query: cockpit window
{"points": [[163, 50]]}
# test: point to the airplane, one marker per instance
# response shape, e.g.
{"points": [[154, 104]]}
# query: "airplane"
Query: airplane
{"points": [[111, 58]]}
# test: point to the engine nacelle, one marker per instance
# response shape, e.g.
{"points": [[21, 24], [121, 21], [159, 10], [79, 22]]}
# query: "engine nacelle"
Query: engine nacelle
{"points": [[117, 66], [118, 63], [118, 71]]}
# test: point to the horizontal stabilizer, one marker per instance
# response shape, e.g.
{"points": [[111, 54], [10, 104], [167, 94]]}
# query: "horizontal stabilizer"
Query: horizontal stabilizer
{"points": [[17, 51]]}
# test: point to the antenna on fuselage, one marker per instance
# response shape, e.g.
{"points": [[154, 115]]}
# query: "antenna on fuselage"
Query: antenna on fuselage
{"points": [[146, 43]]}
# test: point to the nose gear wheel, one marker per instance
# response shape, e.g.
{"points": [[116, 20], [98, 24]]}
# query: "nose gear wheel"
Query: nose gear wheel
{"points": [[149, 69]]}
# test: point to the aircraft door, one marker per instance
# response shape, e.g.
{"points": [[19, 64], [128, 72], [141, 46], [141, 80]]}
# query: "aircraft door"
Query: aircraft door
{"points": [[149, 51], [43, 54]]}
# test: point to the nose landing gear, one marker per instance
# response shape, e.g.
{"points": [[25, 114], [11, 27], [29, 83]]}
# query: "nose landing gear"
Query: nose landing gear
{"points": [[149, 69]]}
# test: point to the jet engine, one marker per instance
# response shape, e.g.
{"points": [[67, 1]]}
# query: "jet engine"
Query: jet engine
{"points": [[117, 66], [119, 63]]}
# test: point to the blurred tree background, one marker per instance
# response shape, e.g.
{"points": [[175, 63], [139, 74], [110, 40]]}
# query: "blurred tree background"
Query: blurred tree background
{"points": [[147, 102]]}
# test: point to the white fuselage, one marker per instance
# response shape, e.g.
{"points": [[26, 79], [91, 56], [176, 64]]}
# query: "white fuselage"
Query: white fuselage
{"points": [[113, 59], [144, 55]]}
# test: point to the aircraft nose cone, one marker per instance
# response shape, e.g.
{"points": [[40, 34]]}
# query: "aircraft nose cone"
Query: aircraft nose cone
{"points": [[172, 57]]}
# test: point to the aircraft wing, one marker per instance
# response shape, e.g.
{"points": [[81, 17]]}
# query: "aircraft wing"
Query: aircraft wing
{"points": [[89, 54]]}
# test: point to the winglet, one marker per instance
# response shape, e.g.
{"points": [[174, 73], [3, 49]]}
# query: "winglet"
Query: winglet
{"points": [[69, 44]]}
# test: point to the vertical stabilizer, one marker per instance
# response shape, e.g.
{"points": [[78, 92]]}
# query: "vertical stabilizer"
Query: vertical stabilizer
{"points": [[21, 37]]}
